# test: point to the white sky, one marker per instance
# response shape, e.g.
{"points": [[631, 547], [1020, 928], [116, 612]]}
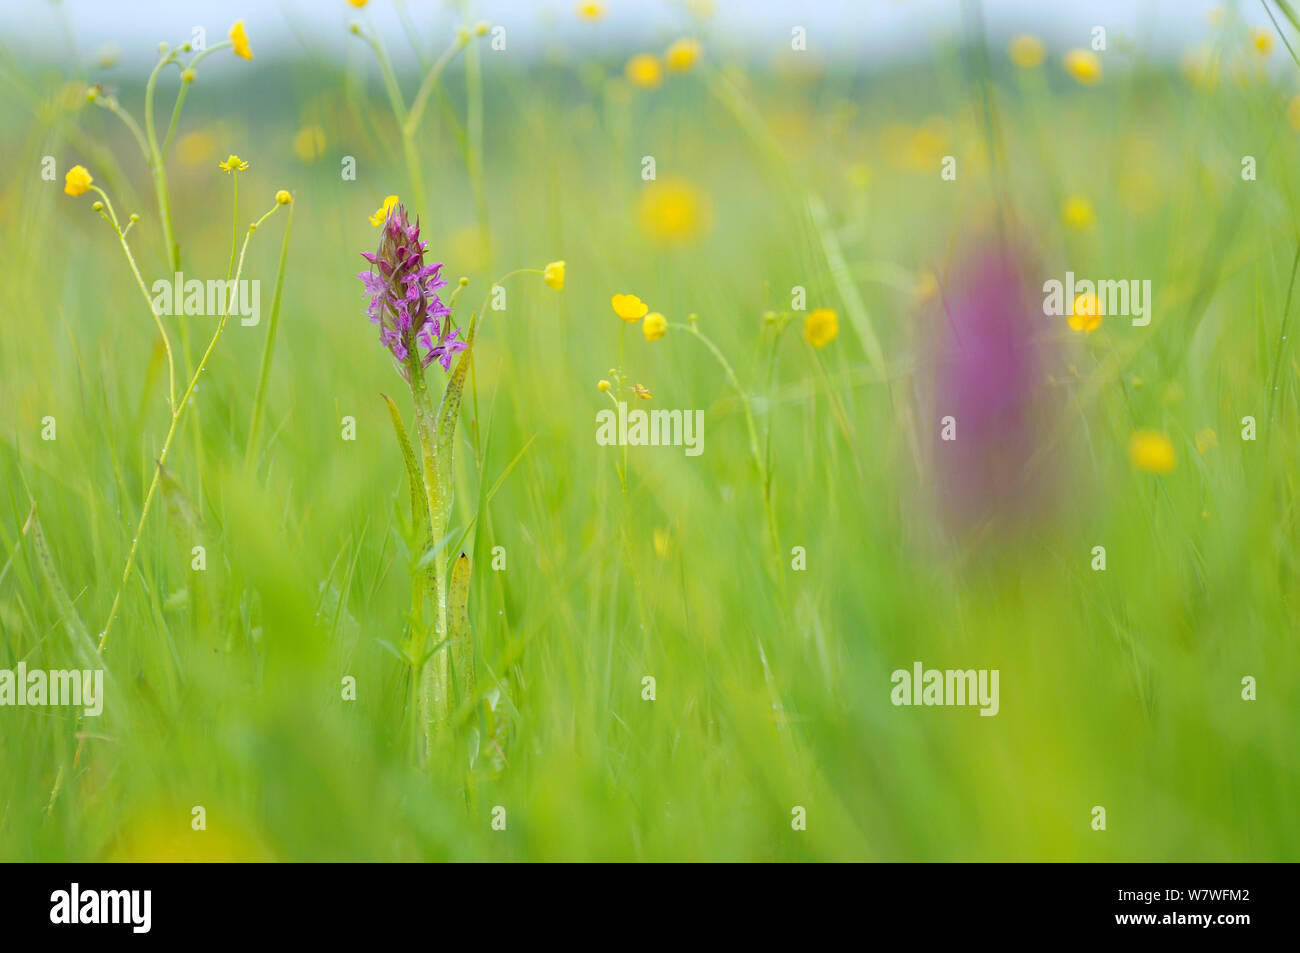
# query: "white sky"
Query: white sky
{"points": [[880, 30]]}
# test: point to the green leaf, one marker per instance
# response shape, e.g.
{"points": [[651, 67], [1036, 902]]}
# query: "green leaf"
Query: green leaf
{"points": [[449, 414], [419, 503], [459, 634]]}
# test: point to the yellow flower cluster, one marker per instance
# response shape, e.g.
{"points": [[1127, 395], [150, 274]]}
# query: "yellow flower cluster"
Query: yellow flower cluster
{"points": [[647, 70], [632, 309]]}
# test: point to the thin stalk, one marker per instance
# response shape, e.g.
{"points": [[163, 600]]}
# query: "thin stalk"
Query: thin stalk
{"points": [[167, 442], [175, 120], [386, 70], [411, 156], [112, 105], [156, 165], [759, 461], [111, 218], [234, 225], [180, 96], [411, 120], [264, 376]]}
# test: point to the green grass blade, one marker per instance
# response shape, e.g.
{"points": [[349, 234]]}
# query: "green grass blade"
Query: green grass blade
{"points": [[419, 506]]}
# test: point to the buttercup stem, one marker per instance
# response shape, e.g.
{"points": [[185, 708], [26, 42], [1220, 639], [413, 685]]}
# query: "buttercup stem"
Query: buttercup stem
{"points": [[113, 106], [167, 344], [411, 121], [180, 96], [167, 442]]}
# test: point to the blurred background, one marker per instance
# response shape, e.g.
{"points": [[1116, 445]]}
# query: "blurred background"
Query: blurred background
{"points": [[826, 537]]}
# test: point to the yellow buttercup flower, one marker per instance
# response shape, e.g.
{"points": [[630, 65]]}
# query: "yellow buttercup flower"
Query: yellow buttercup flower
{"points": [[641, 392], [358, 3], [1087, 314], [821, 327], [554, 275], [283, 197], [591, 10], [644, 70], [1152, 452], [1084, 65], [381, 213], [1262, 41], [240, 39], [654, 326], [233, 164], [602, 386], [629, 307], [77, 180], [1077, 212], [1027, 51], [682, 55]]}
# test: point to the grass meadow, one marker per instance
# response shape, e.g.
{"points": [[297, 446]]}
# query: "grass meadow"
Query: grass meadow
{"points": [[826, 536]]}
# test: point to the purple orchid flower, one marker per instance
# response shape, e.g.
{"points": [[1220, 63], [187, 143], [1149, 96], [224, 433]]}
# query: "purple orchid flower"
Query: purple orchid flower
{"points": [[403, 296]]}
